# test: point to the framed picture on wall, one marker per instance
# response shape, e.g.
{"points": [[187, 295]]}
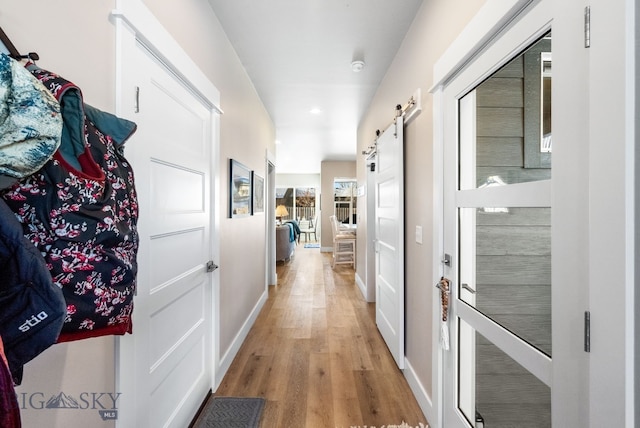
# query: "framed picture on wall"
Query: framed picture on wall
{"points": [[257, 184], [239, 190]]}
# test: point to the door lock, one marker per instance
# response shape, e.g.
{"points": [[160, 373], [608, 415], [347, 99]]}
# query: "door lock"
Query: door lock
{"points": [[446, 260]]}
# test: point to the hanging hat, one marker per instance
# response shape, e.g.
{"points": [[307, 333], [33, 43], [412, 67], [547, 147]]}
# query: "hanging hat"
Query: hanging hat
{"points": [[30, 121]]}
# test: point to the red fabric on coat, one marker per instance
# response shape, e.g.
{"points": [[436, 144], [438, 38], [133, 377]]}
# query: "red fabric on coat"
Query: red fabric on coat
{"points": [[9, 409]]}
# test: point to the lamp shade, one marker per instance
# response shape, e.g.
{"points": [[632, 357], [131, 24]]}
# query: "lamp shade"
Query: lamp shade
{"points": [[281, 211]]}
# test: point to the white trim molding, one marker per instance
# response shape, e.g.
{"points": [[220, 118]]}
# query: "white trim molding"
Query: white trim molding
{"points": [[494, 16], [148, 30]]}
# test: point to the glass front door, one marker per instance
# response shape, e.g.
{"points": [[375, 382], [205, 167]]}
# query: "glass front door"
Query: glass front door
{"points": [[498, 234]]}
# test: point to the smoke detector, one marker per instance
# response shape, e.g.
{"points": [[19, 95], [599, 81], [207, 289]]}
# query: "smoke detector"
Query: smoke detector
{"points": [[357, 66]]}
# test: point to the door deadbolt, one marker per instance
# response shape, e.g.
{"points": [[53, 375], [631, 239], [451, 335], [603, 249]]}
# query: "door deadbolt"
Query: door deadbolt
{"points": [[446, 260]]}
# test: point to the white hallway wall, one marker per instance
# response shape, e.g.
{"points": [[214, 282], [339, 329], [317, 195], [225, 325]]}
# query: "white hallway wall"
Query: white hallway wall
{"points": [[75, 39], [51, 30]]}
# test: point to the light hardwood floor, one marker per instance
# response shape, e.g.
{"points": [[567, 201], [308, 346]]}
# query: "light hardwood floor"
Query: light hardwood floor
{"points": [[316, 355]]}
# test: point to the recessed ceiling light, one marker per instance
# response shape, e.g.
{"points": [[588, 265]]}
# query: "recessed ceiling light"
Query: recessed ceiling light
{"points": [[315, 110]]}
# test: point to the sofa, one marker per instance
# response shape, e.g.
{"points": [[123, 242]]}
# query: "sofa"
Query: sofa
{"points": [[284, 245]]}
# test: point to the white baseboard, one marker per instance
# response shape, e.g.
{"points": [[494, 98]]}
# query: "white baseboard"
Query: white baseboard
{"points": [[326, 249], [361, 285], [423, 399], [227, 358], [369, 295]]}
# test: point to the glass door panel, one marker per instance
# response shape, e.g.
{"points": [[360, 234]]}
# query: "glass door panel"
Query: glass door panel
{"points": [[496, 391], [344, 195], [505, 273], [284, 197], [305, 203], [512, 141]]}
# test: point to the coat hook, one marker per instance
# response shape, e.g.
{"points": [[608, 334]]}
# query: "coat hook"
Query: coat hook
{"points": [[13, 52], [33, 56]]}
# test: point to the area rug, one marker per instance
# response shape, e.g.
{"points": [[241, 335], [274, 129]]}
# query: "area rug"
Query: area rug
{"points": [[231, 412], [311, 245]]}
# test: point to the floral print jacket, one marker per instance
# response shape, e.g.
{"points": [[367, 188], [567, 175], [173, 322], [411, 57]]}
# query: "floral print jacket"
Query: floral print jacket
{"points": [[80, 210]]}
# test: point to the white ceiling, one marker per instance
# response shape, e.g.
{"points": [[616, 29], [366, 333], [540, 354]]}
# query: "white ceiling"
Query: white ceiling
{"points": [[298, 54]]}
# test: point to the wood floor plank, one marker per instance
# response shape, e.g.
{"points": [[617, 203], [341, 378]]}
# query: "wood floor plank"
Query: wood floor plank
{"points": [[294, 402], [316, 355], [370, 399], [249, 382], [360, 353], [275, 390], [270, 414], [343, 382], [347, 413], [320, 402]]}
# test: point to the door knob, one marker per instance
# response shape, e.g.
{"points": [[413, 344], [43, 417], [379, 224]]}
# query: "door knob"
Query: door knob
{"points": [[211, 266]]}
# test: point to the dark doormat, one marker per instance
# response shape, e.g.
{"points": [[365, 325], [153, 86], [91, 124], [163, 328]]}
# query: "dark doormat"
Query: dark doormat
{"points": [[231, 412]]}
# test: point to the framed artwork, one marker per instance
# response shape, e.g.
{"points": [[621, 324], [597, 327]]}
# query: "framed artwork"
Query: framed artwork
{"points": [[257, 184], [239, 190]]}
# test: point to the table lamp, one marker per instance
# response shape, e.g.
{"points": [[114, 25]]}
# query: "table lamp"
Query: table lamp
{"points": [[281, 211]]}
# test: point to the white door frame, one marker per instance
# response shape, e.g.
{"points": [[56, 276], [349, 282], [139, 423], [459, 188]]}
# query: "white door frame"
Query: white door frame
{"points": [[270, 219], [133, 21], [611, 126]]}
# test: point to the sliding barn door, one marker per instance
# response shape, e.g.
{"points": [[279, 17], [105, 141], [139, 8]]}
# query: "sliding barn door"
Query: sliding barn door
{"points": [[389, 233]]}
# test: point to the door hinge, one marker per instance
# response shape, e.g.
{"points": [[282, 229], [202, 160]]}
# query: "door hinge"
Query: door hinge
{"points": [[136, 106], [587, 331], [587, 27], [211, 266]]}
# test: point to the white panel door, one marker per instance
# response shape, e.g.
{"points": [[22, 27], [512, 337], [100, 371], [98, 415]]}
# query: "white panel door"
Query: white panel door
{"points": [[389, 232], [170, 353]]}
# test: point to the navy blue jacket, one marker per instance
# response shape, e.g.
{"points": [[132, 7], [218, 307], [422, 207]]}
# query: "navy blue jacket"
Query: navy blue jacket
{"points": [[32, 308]]}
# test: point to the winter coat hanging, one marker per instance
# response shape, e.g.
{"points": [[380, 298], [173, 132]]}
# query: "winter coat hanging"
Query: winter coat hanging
{"points": [[81, 210], [32, 308], [30, 122]]}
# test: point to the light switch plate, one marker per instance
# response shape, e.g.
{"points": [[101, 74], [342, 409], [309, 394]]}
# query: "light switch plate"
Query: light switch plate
{"points": [[419, 234]]}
